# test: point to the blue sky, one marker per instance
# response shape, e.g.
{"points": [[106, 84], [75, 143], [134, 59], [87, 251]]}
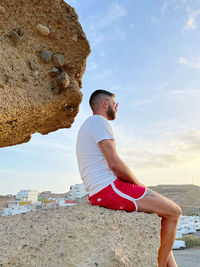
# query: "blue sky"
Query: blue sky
{"points": [[147, 53]]}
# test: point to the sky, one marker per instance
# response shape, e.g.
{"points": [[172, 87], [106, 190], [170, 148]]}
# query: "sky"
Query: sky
{"points": [[147, 53]]}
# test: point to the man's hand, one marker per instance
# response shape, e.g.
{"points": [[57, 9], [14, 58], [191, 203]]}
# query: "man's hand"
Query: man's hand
{"points": [[119, 168]]}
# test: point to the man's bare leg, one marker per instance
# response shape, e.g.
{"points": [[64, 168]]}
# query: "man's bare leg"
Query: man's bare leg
{"points": [[170, 212], [171, 261]]}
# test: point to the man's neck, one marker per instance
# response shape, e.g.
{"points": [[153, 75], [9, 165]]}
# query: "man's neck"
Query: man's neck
{"points": [[101, 114]]}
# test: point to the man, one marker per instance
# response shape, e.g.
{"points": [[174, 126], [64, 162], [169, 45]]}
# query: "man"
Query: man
{"points": [[109, 181]]}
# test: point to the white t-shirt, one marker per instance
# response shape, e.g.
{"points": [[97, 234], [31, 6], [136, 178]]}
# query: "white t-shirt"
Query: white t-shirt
{"points": [[93, 166]]}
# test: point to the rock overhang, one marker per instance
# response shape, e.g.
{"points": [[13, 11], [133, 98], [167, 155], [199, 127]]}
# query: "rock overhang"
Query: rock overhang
{"points": [[43, 57]]}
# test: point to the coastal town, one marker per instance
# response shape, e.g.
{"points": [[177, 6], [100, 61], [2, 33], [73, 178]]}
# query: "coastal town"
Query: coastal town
{"points": [[30, 200]]}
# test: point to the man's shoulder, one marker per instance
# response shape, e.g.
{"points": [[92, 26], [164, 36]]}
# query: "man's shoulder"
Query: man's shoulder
{"points": [[95, 119], [94, 123]]}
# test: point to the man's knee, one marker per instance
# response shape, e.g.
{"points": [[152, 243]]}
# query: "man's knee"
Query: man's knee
{"points": [[175, 212], [178, 211]]}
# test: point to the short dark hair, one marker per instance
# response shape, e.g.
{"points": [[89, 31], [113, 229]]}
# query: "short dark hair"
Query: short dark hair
{"points": [[95, 95]]}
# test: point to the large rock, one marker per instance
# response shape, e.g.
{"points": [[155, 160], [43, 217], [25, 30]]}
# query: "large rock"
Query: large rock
{"points": [[43, 52], [79, 236]]}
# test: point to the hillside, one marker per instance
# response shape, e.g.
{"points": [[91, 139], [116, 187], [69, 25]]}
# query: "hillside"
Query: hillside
{"points": [[50, 194], [186, 196], [4, 201]]}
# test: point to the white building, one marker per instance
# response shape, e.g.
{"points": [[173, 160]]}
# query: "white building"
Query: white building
{"points": [[16, 210], [77, 191], [13, 203], [28, 195]]}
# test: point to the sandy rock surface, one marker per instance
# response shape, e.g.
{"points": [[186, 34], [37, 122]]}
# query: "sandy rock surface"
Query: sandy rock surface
{"points": [[39, 90], [79, 236]]}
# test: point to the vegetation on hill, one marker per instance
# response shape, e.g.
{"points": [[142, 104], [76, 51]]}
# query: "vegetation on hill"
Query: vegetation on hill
{"points": [[191, 241]]}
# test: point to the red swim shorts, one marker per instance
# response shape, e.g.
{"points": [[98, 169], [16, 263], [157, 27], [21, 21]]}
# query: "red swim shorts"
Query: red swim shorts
{"points": [[119, 195]]}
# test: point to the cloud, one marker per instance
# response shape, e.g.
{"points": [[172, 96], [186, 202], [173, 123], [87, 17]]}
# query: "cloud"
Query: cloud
{"points": [[191, 21], [174, 4], [106, 74], [193, 63], [91, 66], [113, 14], [51, 143], [56, 181], [97, 38], [32, 174], [183, 61], [153, 19], [190, 25], [192, 15], [140, 102], [182, 93], [178, 94], [173, 149], [174, 94], [164, 6], [132, 26], [103, 53], [103, 26]]}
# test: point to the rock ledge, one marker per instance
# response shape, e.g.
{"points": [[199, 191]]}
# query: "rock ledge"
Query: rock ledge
{"points": [[79, 236]]}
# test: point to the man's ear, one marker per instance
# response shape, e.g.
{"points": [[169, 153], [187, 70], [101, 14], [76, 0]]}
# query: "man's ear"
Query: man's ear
{"points": [[104, 103]]}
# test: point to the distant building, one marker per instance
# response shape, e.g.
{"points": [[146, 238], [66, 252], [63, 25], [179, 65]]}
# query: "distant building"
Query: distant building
{"points": [[77, 191], [13, 203], [27, 195]]}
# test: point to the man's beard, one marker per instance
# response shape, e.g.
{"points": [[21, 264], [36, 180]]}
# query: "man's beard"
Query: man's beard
{"points": [[111, 113]]}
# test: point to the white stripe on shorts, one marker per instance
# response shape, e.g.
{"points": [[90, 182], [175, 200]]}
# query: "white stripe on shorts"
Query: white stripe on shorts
{"points": [[127, 196]]}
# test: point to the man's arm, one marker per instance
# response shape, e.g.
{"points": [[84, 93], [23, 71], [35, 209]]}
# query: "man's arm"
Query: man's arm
{"points": [[119, 168]]}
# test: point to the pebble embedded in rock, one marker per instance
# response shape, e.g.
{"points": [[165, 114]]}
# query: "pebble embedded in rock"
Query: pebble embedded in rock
{"points": [[58, 60], [2, 9], [75, 38], [64, 107], [6, 78], [46, 56], [63, 80], [54, 72], [14, 37], [24, 78], [32, 65], [55, 89], [18, 31], [53, 36], [36, 75], [71, 109], [43, 29]]}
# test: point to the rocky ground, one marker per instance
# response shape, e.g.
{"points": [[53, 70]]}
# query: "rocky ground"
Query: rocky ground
{"points": [[79, 236]]}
